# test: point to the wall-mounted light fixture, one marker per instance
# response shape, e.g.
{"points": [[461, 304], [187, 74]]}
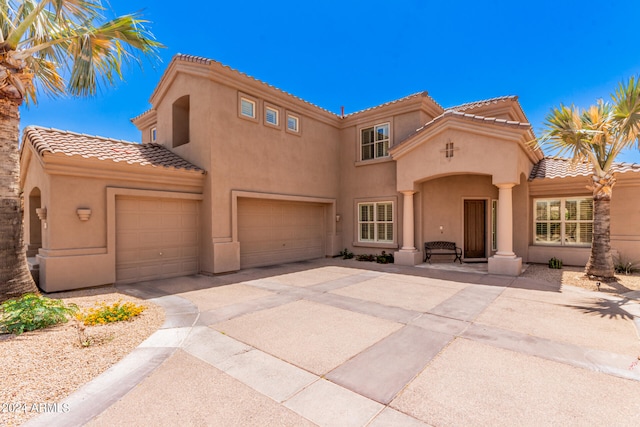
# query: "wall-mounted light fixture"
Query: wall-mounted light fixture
{"points": [[441, 229], [84, 214], [337, 218]]}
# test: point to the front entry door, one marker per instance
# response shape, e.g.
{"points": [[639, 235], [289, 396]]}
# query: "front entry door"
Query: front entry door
{"points": [[474, 228]]}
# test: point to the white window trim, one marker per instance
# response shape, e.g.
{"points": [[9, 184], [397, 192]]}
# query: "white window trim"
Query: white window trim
{"points": [[297, 119], [252, 100], [374, 143], [562, 221], [494, 225], [153, 134], [376, 222]]}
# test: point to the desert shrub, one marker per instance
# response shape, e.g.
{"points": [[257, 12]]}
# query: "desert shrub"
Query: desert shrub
{"points": [[624, 266], [116, 312], [346, 254], [366, 257], [555, 263], [31, 312], [384, 258]]}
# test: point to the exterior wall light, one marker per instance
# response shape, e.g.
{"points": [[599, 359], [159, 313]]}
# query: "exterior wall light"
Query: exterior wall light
{"points": [[84, 214]]}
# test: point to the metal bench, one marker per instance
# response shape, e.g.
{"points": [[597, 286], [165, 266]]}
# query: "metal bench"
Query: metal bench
{"points": [[442, 248]]}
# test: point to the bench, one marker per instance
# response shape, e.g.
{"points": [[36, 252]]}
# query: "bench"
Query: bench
{"points": [[442, 248]]}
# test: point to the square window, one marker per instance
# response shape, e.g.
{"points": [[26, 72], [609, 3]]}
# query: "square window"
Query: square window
{"points": [[271, 116], [293, 123], [374, 142], [247, 108]]}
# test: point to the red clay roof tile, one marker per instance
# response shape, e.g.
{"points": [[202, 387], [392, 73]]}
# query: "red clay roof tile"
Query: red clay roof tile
{"points": [[54, 141]]}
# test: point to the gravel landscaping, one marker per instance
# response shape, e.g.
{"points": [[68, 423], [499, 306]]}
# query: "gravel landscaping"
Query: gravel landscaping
{"points": [[575, 276], [44, 366]]}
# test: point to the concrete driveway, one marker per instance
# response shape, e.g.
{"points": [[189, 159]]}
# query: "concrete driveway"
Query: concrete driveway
{"points": [[344, 343]]}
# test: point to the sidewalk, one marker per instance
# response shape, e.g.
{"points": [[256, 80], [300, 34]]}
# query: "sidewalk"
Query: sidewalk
{"points": [[339, 343]]}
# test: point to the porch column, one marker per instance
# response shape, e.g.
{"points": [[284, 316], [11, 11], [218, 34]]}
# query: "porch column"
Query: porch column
{"points": [[407, 222], [505, 221], [408, 254], [505, 260]]}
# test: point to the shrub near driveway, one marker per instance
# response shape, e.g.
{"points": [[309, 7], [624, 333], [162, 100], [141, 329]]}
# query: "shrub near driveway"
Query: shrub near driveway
{"points": [[31, 312]]}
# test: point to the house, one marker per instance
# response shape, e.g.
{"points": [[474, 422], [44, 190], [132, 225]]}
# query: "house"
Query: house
{"points": [[233, 173]]}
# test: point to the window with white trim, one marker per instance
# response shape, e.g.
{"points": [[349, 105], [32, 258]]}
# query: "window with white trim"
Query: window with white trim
{"points": [[494, 225], [375, 222], [271, 116], [247, 108], [374, 142], [563, 221], [153, 134], [293, 123]]}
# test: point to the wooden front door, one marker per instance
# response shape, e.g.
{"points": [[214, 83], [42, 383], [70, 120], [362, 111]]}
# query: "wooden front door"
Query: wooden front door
{"points": [[475, 229]]}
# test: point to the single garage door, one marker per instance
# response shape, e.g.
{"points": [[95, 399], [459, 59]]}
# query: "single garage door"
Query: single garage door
{"points": [[273, 232], [155, 238]]}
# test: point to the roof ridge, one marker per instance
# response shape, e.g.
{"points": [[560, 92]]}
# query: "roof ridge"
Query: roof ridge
{"points": [[478, 103], [69, 132], [423, 93]]}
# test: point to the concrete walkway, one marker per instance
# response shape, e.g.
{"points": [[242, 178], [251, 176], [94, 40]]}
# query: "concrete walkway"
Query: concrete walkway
{"points": [[343, 343]]}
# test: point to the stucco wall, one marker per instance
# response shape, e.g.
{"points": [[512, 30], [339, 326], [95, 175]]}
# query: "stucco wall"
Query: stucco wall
{"points": [[443, 205]]}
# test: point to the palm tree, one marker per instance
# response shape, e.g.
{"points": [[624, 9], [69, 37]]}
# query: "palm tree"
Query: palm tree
{"points": [[56, 47], [597, 135]]}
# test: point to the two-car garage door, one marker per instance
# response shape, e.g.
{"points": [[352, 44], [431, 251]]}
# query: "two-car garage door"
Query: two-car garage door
{"points": [[277, 231], [155, 238]]}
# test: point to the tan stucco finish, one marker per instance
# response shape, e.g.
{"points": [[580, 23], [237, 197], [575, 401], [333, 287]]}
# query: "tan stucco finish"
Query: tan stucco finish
{"points": [[317, 164]]}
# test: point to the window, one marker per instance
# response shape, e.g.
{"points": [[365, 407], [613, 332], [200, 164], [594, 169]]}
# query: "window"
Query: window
{"points": [[375, 222], [271, 116], [374, 142], [293, 123], [248, 108], [563, 221], [153, 134]]}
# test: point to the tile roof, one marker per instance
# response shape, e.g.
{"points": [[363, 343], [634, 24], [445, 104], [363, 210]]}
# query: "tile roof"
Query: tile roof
{"points": [[556, 167], [481, 103], [54, 141]]}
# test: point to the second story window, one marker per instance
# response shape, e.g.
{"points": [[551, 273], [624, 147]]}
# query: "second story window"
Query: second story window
{"points": [[374, 142], [271, 116], [293, 123], [247, 108]]}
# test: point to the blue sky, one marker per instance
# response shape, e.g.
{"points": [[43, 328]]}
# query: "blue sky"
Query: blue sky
{"points": [[359, 54]]}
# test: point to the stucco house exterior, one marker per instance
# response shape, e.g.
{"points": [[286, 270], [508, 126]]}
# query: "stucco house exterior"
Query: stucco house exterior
{"points": [[233, 173]]}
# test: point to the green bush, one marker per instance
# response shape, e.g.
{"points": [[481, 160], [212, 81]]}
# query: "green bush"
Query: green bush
{"points": [[346, 254], [555, 263], [31, 312]]}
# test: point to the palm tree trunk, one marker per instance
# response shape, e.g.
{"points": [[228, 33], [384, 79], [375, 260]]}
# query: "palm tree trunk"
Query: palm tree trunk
{"points": [[15, 278], [601, 262]]}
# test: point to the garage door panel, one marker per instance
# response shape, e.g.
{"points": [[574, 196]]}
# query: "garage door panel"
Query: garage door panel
{"points": [[155, 238], [272, 231]]}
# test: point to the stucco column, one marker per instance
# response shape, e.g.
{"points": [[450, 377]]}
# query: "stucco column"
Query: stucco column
{"points": [[407, 222], [505, 221], [408, 254], [505, 260]]}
